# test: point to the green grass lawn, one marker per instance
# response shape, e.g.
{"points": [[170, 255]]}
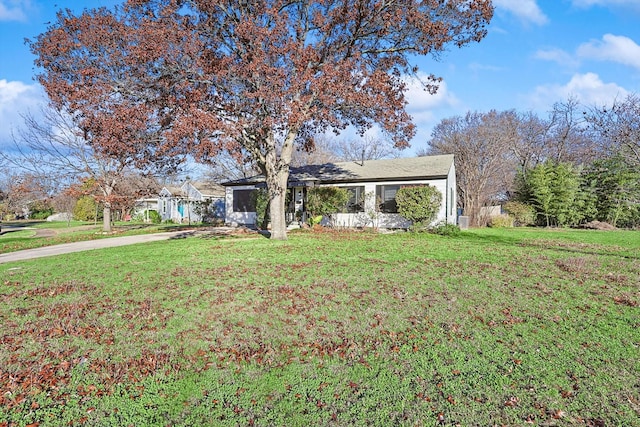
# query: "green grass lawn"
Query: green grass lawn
{"points": [[493, 327]]}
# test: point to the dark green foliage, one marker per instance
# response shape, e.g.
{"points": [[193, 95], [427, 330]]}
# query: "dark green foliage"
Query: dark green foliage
{"points": [[615, 188], [561, 195], [419, 204], [154, 217], [40, 209], [554, 190], [326, 201]]}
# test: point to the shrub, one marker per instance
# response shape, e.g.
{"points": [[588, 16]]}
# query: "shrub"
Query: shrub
{"points": [[445, 229], [419, 204], [522, 213], [554, 190], [154, 217], [323, 201], [501, 221], [260, 199]]}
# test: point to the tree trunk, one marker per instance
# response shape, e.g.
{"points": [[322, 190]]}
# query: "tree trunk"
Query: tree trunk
{"points": [[277, 187], [106, 218], [275, 167]]}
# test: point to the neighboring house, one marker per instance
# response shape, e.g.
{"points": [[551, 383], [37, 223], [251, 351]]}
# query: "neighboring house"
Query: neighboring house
{"points": [[142, 207], [371, 183], [192, 202]]}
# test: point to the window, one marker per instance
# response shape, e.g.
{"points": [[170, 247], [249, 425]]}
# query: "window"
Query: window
{"points": [[386, 197], [356, 199], [243, 201]]}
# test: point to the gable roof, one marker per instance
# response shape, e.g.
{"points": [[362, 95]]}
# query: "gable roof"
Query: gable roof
{"points": [[170, 190], [208, 189], [402, 169]]}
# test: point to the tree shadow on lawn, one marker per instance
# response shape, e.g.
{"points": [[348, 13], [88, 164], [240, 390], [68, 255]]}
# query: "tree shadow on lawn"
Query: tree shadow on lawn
{"points": [[22, 224]]}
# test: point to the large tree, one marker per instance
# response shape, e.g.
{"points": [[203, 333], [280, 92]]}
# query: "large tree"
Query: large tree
{"points": [[485, 165], [265, 75], [50, 145]]}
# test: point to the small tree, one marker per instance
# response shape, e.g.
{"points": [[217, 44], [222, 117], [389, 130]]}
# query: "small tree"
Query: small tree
{"points": [[64, 203], [553, 189], [326, 201], [419, 204], [86, 209], [260, 199], [522, 213], [615, 188]]}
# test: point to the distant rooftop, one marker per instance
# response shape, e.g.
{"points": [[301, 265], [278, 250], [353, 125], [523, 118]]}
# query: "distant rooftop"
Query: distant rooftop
{"points": [[207, 189]]}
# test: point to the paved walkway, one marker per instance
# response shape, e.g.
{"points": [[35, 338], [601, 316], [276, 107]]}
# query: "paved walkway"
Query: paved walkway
{"points": [[88, 245]]}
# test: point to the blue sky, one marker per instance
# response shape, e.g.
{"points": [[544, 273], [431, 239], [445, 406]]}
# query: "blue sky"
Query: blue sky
{"points": [[537, 52]]}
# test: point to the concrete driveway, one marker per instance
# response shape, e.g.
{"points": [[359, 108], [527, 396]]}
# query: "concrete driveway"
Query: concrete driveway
{"points": [[90, 245]]}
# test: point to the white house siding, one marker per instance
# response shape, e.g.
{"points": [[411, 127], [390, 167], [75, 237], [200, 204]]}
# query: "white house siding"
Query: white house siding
{"points": [[437, 171], [167, 205], [451, 194], [372, 218], [237, 218], [186, 206]]}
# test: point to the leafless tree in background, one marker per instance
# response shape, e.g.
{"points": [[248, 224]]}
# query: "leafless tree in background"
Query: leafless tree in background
{"points": [[618, 128], [568, 140], [365, 148], [481, 143]]}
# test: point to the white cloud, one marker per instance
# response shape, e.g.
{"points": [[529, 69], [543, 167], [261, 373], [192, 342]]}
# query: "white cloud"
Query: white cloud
{"points": [[476, 67], [558, 56], [526, 10], [428, 110], [621, 5], [14, 10], [614, 48], [16, 99], [421, 104], [588, 88], [589, 3]]}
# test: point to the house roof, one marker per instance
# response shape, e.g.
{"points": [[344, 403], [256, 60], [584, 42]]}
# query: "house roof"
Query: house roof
{"points": [[171, 189], [206, 189], [209, 189], [402, 169]]}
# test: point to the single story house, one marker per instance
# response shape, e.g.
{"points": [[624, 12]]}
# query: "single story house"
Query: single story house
{"points": [[142, 207], [191, 202], [372, 185]]}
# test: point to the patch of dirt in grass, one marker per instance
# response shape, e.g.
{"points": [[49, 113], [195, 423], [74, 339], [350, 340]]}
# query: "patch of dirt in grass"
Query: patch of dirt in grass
{"points": [[575, 247], [577, 265], [598, 225], [626, 300], [45, 233]]}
